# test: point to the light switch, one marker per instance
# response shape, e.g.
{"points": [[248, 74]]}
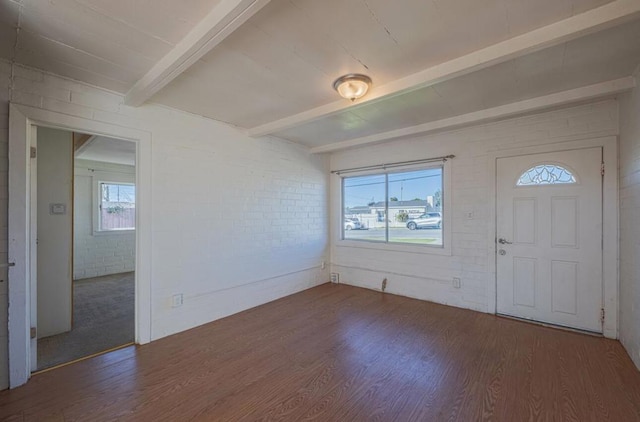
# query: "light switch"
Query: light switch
{"points": [[177, 300], [57, 209]]}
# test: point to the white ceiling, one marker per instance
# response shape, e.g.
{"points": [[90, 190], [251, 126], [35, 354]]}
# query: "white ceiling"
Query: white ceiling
{"points": [[286, 57], [108, 150], [595, 58], [108, 43], [273, 73]]}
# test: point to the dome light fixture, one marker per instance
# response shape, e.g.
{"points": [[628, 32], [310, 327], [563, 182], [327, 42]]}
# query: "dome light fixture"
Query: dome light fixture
{"points": [[352, 86]]}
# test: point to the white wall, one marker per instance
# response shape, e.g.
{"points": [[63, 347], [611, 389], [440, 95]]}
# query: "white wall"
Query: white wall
{"points": [[55, 178], [630, 222], [236, 221], [429, 276], [97, 254]]}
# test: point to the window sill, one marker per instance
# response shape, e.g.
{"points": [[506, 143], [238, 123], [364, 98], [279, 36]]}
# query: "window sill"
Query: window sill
{"points": [[395, 247], [113, 232]]}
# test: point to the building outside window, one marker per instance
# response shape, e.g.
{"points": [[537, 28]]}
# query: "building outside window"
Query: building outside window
{"points": [[395, 207]]}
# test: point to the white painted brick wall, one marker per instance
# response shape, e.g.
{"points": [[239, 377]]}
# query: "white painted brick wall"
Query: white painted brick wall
{"points": [[236, 222], [104, 253], [429, 276], [630, 222]]}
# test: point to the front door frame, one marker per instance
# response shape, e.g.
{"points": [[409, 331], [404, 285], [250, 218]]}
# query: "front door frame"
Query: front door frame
{"points": [[21, 120], [609, 146]]}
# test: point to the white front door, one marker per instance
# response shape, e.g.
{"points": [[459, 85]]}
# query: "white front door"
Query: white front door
{"points": [[549, 233]]}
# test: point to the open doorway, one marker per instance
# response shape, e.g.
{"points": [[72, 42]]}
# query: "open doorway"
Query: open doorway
{"points": [[85, 246], [23, 124]]}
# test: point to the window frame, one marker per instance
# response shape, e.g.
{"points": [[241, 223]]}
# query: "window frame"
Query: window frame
{"points": [[97, 204], [566, 168], [444, 249]]}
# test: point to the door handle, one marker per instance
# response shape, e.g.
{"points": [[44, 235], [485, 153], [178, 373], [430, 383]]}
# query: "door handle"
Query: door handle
{"points": [[504, 241]]}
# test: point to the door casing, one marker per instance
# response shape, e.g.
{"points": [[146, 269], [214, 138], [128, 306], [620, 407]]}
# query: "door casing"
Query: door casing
{"points": [[21, 120], [609, 214], [33, 244]]}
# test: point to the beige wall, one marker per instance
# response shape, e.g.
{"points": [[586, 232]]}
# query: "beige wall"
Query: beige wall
{"points": [[55, 186]]}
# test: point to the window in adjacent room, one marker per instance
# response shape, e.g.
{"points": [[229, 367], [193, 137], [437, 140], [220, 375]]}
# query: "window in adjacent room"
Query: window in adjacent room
{"points": [[117, 208]]}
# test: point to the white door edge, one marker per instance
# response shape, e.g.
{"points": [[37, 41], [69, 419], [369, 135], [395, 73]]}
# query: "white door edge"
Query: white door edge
{"points": [[33, 245], [19, 313], [609, 146]]}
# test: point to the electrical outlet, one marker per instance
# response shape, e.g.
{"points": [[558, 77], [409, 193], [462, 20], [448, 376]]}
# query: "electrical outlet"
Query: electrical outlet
{"points": [[456, 282], [469, 215], [176, 300], [322, 265], [335, 278], [384, 284]]}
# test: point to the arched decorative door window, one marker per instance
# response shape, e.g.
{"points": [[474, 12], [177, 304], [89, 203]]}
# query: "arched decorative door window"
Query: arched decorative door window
{"points": [[546, 174]]}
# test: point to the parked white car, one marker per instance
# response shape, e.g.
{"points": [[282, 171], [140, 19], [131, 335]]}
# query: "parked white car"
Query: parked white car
{"points": [[426, 220], [352, 224]]}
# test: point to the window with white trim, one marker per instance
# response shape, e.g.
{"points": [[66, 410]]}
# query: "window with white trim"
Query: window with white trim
{"points": [[395, 207], [117, 206]]}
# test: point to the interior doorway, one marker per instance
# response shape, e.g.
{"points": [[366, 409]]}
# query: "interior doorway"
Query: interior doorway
{"points": [[23, 121], [85, 191]]}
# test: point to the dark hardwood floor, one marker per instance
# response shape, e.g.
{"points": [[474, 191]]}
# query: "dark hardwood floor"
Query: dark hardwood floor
{"points": [[340, 353]]}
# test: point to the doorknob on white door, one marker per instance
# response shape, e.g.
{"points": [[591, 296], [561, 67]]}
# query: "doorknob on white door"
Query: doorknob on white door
{"points": [[504, 241]]}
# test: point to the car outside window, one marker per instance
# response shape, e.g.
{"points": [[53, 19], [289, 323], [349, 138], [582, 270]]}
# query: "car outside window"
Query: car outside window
{"points": [[394, 207]]}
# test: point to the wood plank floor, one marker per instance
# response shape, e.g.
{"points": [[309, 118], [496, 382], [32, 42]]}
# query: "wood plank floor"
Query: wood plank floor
{"points": [[340, 353]]}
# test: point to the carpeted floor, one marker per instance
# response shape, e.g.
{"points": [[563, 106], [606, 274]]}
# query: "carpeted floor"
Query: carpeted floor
{"points": [[103, 315]]}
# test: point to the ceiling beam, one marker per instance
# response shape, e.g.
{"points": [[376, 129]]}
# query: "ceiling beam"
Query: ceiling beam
{"points": [[559, 99], [80, 139], [606, 16], [224, 18], [88, 140]]}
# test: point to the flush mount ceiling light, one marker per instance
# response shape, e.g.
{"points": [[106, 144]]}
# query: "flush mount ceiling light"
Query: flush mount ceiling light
{"points": [[352, 86]]}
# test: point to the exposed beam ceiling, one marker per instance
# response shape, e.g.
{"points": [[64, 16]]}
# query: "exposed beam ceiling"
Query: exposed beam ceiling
{"points": [[225, 18], [268, 68], [594, 20], [591, 92]]}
